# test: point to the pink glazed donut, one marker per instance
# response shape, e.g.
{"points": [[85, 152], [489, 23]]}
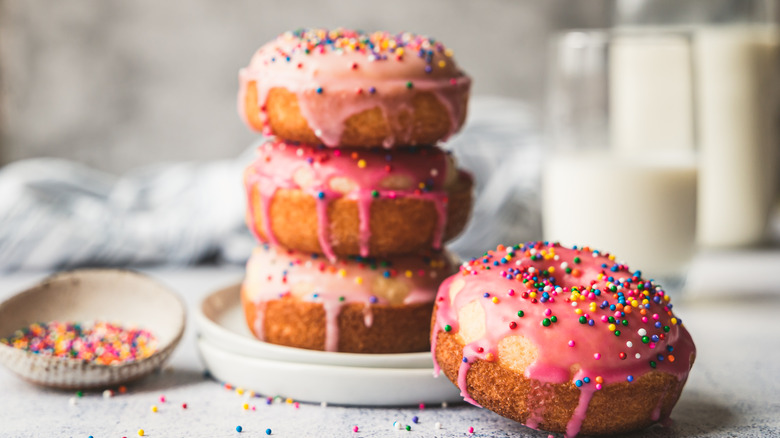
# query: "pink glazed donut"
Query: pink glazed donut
{"points": [[356, 305], [368, 202], [563, 340], [353, 89]]}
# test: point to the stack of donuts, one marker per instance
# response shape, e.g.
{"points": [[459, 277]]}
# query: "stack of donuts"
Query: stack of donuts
{"points": [[351, 199]]}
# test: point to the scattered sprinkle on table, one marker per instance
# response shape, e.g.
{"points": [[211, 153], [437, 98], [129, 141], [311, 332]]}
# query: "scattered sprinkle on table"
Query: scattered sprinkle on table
{"points": [[101, 342]]}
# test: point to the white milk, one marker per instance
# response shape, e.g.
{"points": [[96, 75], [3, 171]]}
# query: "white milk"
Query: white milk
{"points": [[737, 146], [651, 91], [640, 209]]}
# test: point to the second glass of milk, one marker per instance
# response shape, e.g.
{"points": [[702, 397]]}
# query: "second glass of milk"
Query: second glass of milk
{"points": [[621, 172]]}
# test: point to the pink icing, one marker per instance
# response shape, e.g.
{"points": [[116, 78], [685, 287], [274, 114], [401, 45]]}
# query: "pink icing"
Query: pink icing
{"points": [[258, 328], [340, 73], [274, 273], [566, 289], [362, 176]]}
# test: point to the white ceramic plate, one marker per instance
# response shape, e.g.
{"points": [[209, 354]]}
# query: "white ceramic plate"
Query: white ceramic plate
{"points": [[88, 295], [220, 320], [328, 383]]}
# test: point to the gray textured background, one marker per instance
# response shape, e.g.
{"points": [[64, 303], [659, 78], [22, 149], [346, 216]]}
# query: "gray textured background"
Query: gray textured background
{"points": [[117, 84]]}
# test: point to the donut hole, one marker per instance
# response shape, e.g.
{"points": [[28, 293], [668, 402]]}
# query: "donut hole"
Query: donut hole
{"points": [[471, 320], [516, 353], [342, 184], [392, 290]]}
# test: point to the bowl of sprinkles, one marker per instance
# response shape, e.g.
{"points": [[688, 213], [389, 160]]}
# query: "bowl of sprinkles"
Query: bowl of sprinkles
{"points": [[90, 328]]}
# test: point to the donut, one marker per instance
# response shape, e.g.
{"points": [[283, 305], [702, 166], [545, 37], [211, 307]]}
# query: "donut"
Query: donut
{"points": [[356, 305], [561, 339], [345, 88], [368, 202]]}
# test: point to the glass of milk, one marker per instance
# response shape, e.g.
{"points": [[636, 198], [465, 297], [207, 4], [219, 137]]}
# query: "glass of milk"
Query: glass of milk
{"points": [[621, 170], [735, 57]]}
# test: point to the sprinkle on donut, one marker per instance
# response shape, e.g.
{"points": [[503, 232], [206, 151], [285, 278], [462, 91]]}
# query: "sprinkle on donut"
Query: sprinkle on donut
{"points": [[373, 47]]}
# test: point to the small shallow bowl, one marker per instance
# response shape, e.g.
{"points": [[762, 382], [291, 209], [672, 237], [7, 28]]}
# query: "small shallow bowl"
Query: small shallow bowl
{"points": [[87, 295], [220, 319]]}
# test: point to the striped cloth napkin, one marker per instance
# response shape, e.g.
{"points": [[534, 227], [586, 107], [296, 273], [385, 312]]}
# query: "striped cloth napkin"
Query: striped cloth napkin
{"points": [[57, 214]]}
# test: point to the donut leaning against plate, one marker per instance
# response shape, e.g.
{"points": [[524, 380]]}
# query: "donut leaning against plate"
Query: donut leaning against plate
{"points": [[356, 305], [354, 89], [563, 340], [341, 202]]}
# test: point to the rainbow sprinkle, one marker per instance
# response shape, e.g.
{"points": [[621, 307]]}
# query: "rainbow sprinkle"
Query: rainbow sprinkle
{"points": [[377, 46], [101, 342]]}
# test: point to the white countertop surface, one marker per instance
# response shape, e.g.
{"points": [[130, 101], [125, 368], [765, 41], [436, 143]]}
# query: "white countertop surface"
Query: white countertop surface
{"points": [[732, 309]]}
